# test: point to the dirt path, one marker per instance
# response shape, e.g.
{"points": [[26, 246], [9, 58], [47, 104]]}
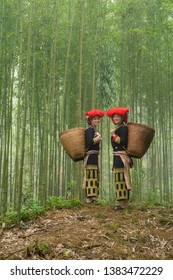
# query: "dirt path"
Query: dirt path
{"points": [[92, 232]]}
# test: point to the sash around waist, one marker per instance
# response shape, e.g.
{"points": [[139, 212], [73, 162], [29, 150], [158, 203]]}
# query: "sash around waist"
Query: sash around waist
{"points": [[92, 152], [120, 153]]}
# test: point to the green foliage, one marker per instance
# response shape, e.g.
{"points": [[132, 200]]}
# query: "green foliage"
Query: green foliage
{"points": [[9, 217], [38, 248], [71, 187], [139, 175], [103, 202], [67, 253], [150, 197], [60, 202], [146, 194], [33, 209], [42, 248]]}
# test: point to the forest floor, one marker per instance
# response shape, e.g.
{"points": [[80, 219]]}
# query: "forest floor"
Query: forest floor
{"points": [[92, 232]]}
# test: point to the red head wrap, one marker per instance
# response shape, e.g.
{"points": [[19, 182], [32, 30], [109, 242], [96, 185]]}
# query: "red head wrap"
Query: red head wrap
{"points": [[123, 112], [95, 112]]}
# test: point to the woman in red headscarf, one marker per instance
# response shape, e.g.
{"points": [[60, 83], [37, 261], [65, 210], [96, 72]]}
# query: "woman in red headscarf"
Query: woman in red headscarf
{"points": [[91, 161], [121, 161]]}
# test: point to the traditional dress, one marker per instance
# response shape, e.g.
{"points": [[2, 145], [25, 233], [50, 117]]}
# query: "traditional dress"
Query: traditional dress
{"points": [[121, 161], [121, 164], [91, 160], [91, 163]]}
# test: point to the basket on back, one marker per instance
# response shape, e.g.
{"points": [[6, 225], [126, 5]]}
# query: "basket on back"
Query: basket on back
{"points": [[73, 141], [140, 137]]}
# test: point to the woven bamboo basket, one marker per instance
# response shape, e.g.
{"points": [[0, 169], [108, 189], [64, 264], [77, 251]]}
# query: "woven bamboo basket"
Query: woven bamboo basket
{"points": [[140, 137], [73, 141]]}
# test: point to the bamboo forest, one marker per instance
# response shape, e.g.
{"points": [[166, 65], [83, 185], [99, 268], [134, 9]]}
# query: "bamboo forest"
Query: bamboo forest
{"points": [[60, 59]]}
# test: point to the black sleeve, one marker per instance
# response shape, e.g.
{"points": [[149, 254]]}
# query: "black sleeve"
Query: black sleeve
{"points": [[89, 135], [123, 134]]}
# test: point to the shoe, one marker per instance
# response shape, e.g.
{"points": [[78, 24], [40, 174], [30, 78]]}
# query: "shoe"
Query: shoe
{"points": [[119, 207], [88, 201], [93, 202]]}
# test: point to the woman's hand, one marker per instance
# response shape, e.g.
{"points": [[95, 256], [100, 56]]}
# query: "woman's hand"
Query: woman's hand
{"points": [[116, 138], [97, 134], [97, 139]]}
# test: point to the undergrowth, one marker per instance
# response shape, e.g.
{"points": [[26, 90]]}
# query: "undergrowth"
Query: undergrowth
{"points": [[34, 209]]}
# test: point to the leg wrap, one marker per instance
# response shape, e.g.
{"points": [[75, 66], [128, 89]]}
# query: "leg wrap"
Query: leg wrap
{"points": [[120, 186], [92, 181]]}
